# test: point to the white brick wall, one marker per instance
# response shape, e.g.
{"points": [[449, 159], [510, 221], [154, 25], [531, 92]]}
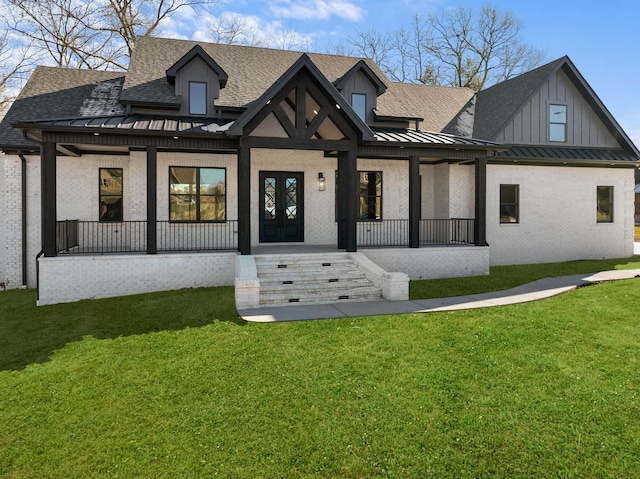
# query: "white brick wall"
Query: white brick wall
{"points": [[87, 277], [430, 263], [558, 214], [557, 205]]}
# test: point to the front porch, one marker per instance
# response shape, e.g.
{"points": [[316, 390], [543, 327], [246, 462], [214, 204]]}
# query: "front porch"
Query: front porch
{"points": [[108, 274]]}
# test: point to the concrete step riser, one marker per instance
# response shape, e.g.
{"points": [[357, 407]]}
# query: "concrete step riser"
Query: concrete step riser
{"points": [[318, 279]]}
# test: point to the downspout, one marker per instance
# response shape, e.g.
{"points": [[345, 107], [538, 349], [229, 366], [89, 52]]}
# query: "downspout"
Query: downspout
{"points": [[24, 218]]}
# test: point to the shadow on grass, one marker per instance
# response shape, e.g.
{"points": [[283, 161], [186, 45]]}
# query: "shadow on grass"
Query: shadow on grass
{"points": [[30, 334]]}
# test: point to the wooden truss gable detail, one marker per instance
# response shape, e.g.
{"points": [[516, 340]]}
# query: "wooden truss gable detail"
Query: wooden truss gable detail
{"points": [[301, 110]]}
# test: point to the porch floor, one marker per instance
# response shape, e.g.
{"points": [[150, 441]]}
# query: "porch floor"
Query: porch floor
{"points": [[534, 291]]}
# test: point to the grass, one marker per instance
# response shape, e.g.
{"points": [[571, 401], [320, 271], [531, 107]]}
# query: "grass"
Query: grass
{"points": [[175, 385], [505, 277]]}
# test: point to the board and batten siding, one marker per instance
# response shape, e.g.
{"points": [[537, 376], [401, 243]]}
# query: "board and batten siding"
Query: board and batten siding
{"points": [[531, 124], [197, 70], [359, 83]]}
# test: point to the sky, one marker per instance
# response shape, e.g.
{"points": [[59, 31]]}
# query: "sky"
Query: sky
{"points": [[603, 41]]}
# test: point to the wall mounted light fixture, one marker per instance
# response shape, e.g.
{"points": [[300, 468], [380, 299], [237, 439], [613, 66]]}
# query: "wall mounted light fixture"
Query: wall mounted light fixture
{"points": [[321, 182]]}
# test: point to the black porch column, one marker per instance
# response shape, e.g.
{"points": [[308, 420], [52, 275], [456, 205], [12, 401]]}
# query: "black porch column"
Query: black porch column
{"points": [[244, 199], [48, 197], [414, 202], [480, 223], [152, 197], [347, 199]]}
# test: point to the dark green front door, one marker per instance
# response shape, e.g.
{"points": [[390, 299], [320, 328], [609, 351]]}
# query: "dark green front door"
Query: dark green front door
{"points": [[281, 206]]}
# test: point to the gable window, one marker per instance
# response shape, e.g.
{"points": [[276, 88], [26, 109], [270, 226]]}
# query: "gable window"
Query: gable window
{"points": [[110, 194], [197, 194], [509, 203], [359, 105], [604, 212], [557, 122], [197, 98]]}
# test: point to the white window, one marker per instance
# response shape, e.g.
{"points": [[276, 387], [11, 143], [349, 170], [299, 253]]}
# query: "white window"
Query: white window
{"points": [[557, 122], [197, 98], [359, 105]]}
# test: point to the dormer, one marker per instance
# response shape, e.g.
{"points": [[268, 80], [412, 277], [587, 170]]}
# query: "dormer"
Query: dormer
{"points": [[360, 86], [198, 80]]}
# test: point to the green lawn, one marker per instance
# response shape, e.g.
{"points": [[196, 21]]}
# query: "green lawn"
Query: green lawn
{"points": [[175, 385]]}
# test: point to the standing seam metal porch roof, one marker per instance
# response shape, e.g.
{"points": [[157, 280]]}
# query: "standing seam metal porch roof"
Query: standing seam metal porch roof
{"points": [[197, 126]]}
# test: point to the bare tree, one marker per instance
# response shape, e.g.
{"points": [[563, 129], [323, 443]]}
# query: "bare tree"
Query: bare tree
{"points": [[375, 45], [286, 38], [234, 29], [15, 64], [129, 19], [90, 34], [460, 47], [61, 30]]}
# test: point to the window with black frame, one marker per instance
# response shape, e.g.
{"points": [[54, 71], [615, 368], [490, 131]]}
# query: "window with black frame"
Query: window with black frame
{"points": [[509, 204], [197, 194], [604, 212], [369, 195], [110, 194]]}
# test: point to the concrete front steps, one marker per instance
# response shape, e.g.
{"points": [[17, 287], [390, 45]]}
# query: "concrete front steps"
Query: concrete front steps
{"points": [[312, 278]]}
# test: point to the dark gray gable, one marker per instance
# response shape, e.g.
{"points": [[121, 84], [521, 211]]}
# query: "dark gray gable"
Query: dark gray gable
{"points": [[367, 71], [303, 64], [497, 105], [197, 51]]}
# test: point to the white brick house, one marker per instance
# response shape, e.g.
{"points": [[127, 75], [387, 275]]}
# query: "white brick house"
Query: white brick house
{"points": [[202, 152]]}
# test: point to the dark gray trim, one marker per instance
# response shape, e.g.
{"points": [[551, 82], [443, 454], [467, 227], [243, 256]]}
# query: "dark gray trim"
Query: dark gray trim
{"points": [[414, 201], [190, 55], [23, 207], [303, 63], [48, 198], [367, 71], [347, 200], [480, 223], [152, 199], [244, 198]]}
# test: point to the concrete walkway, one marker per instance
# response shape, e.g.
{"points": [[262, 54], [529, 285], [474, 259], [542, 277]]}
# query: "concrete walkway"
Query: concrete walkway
{"points": [[543, 288]]}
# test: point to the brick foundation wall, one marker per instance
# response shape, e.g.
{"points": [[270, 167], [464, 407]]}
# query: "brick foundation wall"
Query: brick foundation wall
{"points": [[435, 262], [88, 277]]}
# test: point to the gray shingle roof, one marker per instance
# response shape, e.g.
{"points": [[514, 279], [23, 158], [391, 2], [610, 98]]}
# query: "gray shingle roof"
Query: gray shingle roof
{"points": [[251, 70], [59, 93], [436, 105]]}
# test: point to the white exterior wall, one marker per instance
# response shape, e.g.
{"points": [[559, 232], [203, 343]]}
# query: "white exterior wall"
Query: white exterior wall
{"points": [[11, 219], [90, 277], [558, 214], [434, 262], [395, 186]]}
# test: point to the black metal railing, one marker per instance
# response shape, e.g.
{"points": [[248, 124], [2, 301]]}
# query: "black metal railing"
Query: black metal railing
{"points": [[453, 231], [445, 232], [95, 237], [66, 235], [197, 236]]}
